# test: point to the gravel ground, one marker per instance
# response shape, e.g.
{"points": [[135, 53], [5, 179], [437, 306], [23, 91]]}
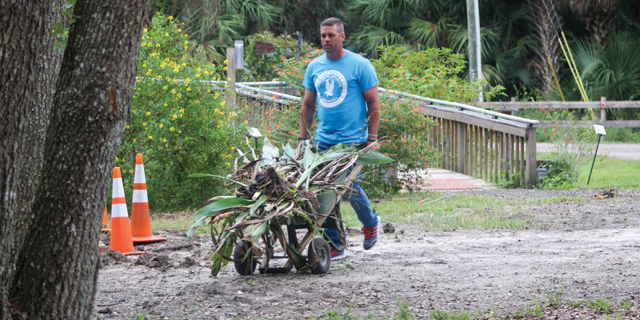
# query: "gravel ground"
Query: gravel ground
{"points": [[578, 250]]}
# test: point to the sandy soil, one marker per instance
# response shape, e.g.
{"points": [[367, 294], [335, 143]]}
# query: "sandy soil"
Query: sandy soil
{"points": [[583, 250]]}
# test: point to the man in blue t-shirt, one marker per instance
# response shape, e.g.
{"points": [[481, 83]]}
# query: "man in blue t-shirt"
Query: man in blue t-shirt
{"points": [[344, 86]]}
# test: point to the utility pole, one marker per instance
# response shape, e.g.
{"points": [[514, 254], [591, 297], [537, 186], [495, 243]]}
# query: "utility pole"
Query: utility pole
{"points": [[475, 45]]}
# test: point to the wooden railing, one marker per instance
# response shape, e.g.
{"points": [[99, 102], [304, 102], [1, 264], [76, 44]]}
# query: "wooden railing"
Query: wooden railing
{"points": [[481, 143], [483, 146], [599, 107]]}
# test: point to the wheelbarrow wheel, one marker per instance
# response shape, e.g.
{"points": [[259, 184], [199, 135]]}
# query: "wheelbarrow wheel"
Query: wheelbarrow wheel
{"points": [[244, 266], [319, 254]]}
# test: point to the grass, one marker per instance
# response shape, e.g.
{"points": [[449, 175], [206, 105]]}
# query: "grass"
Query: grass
{"points": [[172, 221], [611, 173]]}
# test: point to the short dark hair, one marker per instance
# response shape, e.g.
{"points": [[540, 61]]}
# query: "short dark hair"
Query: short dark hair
{"points": [[333, 22]]}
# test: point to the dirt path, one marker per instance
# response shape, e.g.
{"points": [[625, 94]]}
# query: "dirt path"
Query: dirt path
{"points": [[586, 249]]}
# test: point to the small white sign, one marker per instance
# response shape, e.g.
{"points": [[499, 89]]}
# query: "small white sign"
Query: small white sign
{"points": [[599, 129], [254, 132]]}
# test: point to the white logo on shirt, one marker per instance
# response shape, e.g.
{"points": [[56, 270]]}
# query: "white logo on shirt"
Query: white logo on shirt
{"points": [[331, 86]]}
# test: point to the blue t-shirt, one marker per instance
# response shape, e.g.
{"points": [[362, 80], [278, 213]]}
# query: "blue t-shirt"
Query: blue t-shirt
{"points": [[339, 84]]}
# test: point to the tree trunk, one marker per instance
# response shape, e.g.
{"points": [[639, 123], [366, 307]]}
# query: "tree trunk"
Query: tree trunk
{"points": [[57, 268], [548, 45], [29, 67]]}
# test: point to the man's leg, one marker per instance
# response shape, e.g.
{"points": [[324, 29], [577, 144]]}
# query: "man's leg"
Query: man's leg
{"points": [[369, 218], [333, 234]]}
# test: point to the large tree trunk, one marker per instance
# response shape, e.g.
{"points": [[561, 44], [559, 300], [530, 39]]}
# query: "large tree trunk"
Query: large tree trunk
{"points": [[28, 68], [548, 45], [58, 266]]}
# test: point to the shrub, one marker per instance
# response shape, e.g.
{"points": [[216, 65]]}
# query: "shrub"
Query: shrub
{"points": [[571, 149], [266, 66], [179, 121]]}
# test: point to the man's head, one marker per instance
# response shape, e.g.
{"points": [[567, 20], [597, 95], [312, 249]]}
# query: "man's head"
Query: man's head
{"points": [[332, 35]]}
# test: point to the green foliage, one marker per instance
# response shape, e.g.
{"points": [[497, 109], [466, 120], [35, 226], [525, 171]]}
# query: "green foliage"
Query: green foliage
{"points": [[268, 66], [602, 305], [429, 73], [179, 122], [572, 148]]}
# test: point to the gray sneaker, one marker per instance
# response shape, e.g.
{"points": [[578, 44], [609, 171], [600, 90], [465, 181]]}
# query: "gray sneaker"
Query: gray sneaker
{"points": [[337, 255], [370, 235]]}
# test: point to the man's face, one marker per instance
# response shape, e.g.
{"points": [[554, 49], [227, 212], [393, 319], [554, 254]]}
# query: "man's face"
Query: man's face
{"points": [[331, 38]]}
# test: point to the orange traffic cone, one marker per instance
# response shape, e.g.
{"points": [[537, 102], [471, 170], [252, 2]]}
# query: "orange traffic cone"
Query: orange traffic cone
{"points": [[140, 218], [105, 221], [120, 230]]}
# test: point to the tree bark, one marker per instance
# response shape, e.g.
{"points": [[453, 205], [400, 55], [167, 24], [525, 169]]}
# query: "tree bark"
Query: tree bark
{"points": [[57, 268], [28, 68], [548, 45]]}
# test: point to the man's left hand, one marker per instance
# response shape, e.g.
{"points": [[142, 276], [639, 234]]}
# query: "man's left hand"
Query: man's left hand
{"points": [[375, 144]]}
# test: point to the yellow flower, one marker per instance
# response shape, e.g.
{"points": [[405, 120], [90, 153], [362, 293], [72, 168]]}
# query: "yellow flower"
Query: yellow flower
{"points": [[173, 91], [186, 42], [127, 126], [164, 140], [130, 170], [180, 131], [145, 30], [175, 148], [161, 125], [150, 138], [165, 104], [225, 68], [228, 79], [172, 129], [225, 61], [170, 18], [116, 159], [228, 164], [179, 95], [182, 110], [165, 87], [179, 30], [188, 88], [175, 116], [148, 113], [144, 124], [166, 34]]}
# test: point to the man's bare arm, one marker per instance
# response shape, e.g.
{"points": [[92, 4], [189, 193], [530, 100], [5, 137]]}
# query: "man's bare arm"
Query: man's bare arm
{"points": [[373, 104], [307, 111]]}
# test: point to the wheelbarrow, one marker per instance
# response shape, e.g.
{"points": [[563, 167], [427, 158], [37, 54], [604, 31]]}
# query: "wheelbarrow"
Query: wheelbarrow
{"points": [[318, 257]]}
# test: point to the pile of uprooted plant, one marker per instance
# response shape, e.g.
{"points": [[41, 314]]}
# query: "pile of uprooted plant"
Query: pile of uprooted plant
{"points": [[273, 188]]}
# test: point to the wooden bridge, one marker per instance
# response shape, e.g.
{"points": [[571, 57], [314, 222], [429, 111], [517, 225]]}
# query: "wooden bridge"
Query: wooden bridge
{"points": [[490, 145]]}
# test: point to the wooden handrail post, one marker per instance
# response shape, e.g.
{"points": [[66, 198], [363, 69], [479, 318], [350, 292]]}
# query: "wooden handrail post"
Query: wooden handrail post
{"points": [[532, 161], [603, 110], [461, 144], [231, 70]]}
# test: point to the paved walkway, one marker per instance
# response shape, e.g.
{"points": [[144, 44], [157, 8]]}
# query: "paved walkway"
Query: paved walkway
{"points": [[618, 151], [442, 179]]}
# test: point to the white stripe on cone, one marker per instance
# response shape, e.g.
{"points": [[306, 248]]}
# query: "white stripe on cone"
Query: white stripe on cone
{"points": [[140, 196], [139, 177], [119, 210], [118, 189]]}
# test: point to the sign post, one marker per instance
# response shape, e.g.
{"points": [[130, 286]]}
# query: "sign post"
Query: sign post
{"points": [[600, 132]]}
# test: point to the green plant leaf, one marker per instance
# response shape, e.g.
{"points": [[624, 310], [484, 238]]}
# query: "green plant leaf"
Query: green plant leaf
{"points": [[289, 151], [259, 231], [199, 222], [374, 157], [221, 205], [257, 205]]}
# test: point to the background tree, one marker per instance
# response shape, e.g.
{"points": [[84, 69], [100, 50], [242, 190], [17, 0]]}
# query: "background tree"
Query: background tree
{"points": [[56, 266]]}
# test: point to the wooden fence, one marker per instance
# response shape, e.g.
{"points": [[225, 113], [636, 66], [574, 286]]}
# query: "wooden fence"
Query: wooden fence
{"points": [[483, 146], [602, 107]]}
